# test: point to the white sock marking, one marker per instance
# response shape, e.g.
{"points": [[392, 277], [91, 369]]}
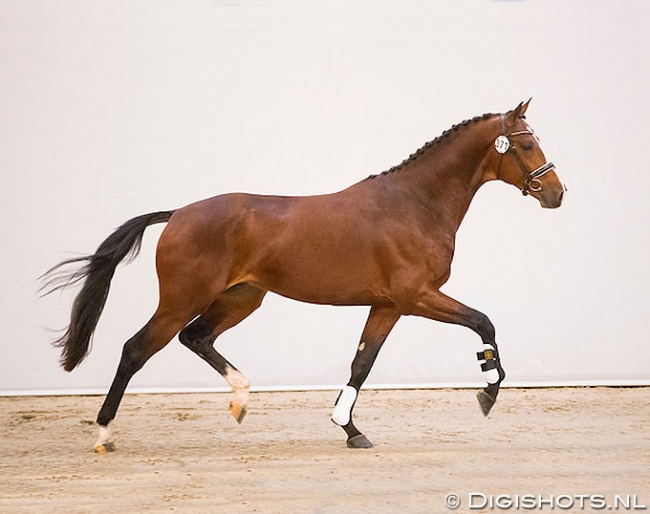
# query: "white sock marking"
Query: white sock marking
{"points": [[240, 386], [104, 436]]}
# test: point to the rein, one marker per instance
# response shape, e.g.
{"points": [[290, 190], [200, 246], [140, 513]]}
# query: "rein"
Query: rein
{"points": [[502, 145]]}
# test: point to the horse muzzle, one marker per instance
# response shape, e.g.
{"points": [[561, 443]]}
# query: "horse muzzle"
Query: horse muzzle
{"points": [[551, 198]]}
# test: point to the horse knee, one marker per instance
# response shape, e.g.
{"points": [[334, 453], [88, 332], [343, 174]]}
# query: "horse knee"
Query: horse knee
{"points": [[484, 327]]}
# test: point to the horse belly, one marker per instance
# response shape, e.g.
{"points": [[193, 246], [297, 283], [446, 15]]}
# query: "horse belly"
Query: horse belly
{"points": [[333, 276], [318, 262]]}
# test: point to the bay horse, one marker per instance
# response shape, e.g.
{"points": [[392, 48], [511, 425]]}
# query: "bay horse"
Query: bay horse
{"points": [[386, 242]]}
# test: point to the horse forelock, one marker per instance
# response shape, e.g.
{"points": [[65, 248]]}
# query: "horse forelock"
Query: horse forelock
{"points": [[444, 137]]}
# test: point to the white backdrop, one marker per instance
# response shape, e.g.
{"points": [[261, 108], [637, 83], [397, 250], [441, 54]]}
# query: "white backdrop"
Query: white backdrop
{"points": [[113, 109]]}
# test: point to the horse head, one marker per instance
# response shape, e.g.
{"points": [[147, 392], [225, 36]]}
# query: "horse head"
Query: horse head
{"points": [[520, 161]]}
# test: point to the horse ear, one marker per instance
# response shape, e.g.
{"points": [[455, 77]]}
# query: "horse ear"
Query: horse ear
{"points": [[518, 112]]}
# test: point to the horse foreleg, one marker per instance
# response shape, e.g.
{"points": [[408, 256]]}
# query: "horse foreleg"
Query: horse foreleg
{"points": [[230, 308], [379, 324], [435, 305]]}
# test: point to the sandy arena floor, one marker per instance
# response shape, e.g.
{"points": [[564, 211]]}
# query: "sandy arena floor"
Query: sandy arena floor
{"points": [[184, 453]]}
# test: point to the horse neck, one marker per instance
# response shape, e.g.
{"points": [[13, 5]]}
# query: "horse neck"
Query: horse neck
{"points": [[445, 178]]}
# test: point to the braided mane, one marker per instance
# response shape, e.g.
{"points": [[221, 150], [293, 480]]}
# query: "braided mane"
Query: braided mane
{"points": [[439, 139]]}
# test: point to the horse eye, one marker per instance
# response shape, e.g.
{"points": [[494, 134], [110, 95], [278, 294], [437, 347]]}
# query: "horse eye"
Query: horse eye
{"points": [[527, 147]]}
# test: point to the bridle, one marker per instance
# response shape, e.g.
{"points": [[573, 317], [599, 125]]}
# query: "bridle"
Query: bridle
{"points": [[502, 145]]}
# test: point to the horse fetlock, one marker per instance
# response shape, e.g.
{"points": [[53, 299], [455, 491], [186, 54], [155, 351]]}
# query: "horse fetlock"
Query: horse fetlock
{"points": [[104, 443], [490, 364], [241, 389]]}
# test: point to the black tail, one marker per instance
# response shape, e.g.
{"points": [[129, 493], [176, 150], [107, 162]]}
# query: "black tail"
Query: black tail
{"points": [[96, 274]]}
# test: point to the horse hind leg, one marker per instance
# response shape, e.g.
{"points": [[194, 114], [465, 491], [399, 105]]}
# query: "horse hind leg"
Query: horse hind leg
{"points": [[232, 307], [154, 336], [199, 337]]}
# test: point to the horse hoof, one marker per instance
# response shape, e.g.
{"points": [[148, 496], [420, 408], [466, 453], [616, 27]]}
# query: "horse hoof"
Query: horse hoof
{"points": [[238, 411], [359, 441], [103, 448], [485, 401]]}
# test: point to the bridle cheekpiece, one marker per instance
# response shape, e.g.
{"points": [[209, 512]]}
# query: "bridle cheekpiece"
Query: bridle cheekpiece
{"points": [[503, 145]]}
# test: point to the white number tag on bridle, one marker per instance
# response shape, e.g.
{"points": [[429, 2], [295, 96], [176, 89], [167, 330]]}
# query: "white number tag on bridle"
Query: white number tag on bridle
{"points": [[502, 144]]}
